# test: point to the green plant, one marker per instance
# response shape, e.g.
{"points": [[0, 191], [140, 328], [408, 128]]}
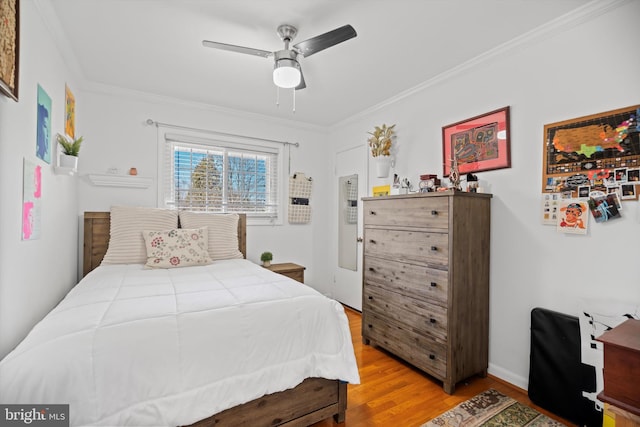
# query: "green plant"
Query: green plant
{"points": [[381, 140], [70, 148], [266, 256]]}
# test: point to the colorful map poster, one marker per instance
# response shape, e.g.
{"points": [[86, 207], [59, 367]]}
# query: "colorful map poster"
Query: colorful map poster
{"points": [[31, 201], [581, 151]]}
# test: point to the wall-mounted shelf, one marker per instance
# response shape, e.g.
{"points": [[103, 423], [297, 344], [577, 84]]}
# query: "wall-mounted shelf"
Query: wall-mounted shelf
{"points": [[111, 180], [60, 170]]}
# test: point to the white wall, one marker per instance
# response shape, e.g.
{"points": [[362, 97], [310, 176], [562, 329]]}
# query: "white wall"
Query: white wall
{"points": [[36, 274], [119, 138], [585, 68]]}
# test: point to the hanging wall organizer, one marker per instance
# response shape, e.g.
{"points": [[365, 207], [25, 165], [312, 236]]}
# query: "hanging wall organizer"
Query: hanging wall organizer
{"points": [[299, 195], [352, 202]]}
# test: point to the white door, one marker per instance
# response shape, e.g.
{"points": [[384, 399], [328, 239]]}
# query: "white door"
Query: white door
{"points": [[351, 168]]}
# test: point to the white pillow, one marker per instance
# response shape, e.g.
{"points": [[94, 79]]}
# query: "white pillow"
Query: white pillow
{"points": [[223, 232], [126, 244], [180, 247]]}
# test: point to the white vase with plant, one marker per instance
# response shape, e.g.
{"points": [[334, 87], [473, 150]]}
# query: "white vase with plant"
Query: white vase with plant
{"points": [[70, 150], [380, 143]]}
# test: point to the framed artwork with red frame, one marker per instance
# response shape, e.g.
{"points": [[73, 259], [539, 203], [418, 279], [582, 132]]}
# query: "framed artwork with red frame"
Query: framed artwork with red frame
{"points": [[481, 143]]}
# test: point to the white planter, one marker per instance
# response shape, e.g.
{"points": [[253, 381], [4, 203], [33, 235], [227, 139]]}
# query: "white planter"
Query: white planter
{"points": [[67, 161], [383, 164]]}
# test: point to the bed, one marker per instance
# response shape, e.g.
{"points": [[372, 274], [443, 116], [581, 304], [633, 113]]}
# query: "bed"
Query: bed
{"points": [[156, 356]]}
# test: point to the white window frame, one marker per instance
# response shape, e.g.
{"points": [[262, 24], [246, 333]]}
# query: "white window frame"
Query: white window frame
{"points": [[166, 191]]}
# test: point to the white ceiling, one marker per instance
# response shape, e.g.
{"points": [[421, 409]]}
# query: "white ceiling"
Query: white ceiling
{"points": [[155, 46]]}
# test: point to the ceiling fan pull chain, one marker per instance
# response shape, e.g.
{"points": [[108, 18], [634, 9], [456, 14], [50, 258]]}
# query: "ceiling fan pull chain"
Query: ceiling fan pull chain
{"points": [[294, 99], [277, 97]]}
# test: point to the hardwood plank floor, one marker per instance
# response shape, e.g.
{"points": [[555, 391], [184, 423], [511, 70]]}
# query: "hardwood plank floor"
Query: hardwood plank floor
{"points": [[394, 393]]}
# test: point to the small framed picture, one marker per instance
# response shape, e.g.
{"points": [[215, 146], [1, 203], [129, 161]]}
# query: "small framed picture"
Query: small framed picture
{"points": [[583, 191], [628, 191], [633, 175], [620, 175], [605, 208], [614, 189]]}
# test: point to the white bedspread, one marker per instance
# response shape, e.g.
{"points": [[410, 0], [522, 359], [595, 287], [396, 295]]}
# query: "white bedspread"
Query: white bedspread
{"points": [[130, 346]]}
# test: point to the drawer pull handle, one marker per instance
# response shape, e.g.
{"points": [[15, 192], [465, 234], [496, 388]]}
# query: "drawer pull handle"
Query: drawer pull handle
{"points": [[372, 212], [434, 213], [372, 241], [434, 248], [434, 284], [432, 356], [372, 269], [370, 297], [432, 320], [370, 326]]}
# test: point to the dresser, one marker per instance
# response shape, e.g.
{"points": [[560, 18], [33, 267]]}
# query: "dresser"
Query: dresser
{"points": [[426, 281]]}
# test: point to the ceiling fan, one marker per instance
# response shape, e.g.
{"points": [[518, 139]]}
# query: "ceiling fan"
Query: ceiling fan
{"points": [[286, 68]]}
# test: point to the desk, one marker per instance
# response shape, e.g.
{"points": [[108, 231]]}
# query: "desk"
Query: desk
{"points": [[622, 372]]}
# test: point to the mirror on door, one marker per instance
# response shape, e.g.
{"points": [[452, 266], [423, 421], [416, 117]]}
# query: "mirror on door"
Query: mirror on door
{"points": [[348, 222]]}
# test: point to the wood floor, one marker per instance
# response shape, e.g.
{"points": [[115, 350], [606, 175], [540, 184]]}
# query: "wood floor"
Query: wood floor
{"points": [[393, 393]]}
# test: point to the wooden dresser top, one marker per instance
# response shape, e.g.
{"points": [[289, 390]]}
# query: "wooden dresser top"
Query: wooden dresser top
{"points": [[626, 335]]}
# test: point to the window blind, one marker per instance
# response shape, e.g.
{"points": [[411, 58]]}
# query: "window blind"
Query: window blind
{"points": [[214, 175]]}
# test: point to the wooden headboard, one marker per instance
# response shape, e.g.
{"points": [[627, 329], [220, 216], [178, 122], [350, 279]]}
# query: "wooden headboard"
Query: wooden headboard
{"points": [[96, 238]]}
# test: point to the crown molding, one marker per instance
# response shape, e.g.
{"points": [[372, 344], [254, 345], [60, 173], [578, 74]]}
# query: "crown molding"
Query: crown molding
{"points": [[103, 89], [585, 13], [54, 27]]}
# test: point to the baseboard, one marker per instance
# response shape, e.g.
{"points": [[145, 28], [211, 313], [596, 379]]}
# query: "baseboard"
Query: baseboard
{"points": [[509, 377]]}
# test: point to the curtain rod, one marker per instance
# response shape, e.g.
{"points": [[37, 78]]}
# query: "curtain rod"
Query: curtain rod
{"points": [[153, 122]]}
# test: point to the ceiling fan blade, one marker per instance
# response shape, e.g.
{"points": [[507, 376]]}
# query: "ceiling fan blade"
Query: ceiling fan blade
{"points": [[239, 49], [315, 44], [302, 84]]}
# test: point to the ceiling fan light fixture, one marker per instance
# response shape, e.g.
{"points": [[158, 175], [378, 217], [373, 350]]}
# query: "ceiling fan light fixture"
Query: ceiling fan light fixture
{"points": [[286, 73]]}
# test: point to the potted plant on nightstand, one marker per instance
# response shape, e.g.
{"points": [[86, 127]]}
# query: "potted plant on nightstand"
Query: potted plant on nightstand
{"points": [[70, 150], [266, 258]]}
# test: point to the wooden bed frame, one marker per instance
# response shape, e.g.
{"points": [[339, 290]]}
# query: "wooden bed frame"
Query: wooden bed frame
{"points": [[315, 399]]}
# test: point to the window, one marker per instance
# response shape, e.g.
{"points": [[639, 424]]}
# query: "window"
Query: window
{"points": [[216, 175]]}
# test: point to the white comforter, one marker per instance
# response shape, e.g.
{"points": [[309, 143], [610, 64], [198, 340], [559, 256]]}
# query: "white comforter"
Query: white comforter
{"points": [[130, 346]]}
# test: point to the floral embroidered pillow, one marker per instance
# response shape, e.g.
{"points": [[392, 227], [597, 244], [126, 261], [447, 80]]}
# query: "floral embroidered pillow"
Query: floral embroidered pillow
{"points": [[180, 247]]}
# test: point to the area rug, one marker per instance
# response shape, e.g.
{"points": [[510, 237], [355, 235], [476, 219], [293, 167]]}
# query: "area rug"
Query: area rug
{"points": [[492, 409]]}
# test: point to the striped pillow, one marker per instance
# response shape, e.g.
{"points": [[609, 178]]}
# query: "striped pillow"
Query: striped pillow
{"points": [[223, 232], [126, 242]]}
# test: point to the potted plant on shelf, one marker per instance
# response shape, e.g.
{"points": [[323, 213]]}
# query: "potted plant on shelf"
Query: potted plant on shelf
{"points": [[266, 258], [380, 142], [70, 150]]}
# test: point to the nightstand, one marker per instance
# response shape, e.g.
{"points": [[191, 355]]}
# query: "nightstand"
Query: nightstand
{"points": [[289, 269]]}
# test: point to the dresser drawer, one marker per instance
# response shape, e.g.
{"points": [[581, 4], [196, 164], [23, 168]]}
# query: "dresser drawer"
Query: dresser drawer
{"points": [[420, 351], [407, 246], [417, 212], [424, 318], [411, 280]]}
